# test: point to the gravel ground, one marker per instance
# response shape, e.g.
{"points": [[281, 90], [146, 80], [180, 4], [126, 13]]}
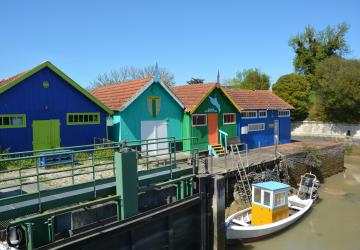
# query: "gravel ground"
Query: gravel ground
{"points": [[85, 174]]}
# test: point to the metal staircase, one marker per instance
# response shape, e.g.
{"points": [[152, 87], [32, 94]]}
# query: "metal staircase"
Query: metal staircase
{"points": [[243, 186]]}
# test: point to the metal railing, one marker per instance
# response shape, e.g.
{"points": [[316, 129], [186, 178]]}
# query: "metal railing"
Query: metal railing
{"points": [[95, 162], [223, 134]]}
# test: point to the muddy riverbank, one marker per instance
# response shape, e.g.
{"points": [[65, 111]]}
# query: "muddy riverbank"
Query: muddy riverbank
{"points": [[333, 223]]}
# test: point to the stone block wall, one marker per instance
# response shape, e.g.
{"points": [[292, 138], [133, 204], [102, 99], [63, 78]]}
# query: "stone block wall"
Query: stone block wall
{"points": [[332, 162], [326, 130]]}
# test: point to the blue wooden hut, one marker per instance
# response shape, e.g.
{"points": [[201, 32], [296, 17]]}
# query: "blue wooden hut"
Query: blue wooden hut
{"points": [[43, 108], [264, 116], [144, 109]]}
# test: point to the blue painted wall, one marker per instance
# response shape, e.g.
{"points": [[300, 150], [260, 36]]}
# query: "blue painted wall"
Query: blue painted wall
{"points": [[30, 98], [127, 124], [265, 137]]}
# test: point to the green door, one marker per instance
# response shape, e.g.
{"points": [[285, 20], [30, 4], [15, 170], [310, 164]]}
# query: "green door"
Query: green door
{"points": [[46, 134]]}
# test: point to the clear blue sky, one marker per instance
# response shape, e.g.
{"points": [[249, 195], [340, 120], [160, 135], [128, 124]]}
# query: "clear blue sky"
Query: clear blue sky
{"points": [[190, 38]]}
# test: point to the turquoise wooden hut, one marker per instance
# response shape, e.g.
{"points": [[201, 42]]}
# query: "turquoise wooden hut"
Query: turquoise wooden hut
{"points": [[143, 109]]}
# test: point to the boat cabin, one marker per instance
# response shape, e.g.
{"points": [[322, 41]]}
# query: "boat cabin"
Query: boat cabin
{"points": [[269, 202]]}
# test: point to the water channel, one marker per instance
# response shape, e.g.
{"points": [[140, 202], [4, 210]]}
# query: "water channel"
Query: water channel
{"points": [[332, 224]]}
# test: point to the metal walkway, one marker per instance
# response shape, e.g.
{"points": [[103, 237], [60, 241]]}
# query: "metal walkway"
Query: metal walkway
{"points": [[33, 203]]}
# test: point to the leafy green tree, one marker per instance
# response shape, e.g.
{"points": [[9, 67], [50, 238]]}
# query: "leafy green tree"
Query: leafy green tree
{"points": [[250, 79], [294, 89], [195, 81], [338, 88], [312, 47]]}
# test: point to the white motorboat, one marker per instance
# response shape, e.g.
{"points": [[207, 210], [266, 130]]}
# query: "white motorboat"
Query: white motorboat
{"points": [[271, 209]]}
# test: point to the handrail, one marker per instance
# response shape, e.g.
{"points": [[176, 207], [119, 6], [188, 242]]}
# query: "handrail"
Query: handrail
{"points": [[92, 146], [221, 134], [26, 170]]}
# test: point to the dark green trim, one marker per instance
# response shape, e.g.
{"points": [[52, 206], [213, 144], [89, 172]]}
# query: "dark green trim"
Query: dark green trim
{"points": [[62, 75], [10, 116], [68, 122]]}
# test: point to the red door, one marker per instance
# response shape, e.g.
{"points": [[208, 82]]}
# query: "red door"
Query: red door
{"points": [[213, 128]]}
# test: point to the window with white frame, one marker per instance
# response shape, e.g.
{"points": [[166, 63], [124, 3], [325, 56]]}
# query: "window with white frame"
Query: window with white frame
{"points": [[198, 120], [284, 113], [256, 127], [229, 119], [257, 195], [267, 196], [279, 199], [262, 113], [248, 114]]}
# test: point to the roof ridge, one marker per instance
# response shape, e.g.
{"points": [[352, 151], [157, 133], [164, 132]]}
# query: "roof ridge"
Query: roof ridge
{"points": [[191, 85], [123, 83], [259, 99], [12, 77], [7, 78]]}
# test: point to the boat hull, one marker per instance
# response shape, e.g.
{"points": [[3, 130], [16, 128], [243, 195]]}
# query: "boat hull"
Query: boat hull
{"points": [[252, 233]]}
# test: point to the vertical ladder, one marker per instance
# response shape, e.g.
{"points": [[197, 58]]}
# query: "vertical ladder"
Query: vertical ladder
{"points": [[238, 163]]}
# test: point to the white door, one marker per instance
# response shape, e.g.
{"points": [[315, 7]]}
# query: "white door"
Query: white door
{"points": [[154, 131], [276, 131], [148, 133], [161, 132]]}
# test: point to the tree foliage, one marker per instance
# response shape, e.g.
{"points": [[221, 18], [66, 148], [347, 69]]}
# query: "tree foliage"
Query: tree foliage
{"points": [[294, 89], [127, 73], [195, 81], [311, 46], [338, 88], [250, 79]]}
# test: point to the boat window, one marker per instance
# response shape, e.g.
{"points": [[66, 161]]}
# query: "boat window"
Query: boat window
{"points": [[279, 199], [266, 198], [257, 195]]}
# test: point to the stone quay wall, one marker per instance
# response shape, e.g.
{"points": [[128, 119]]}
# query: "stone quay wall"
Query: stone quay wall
{"points": [[332, 162], [334, 131]]}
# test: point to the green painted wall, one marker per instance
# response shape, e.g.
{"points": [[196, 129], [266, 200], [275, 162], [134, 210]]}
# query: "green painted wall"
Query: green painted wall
{"points": [[207, 107], [127, 124], [186, 130]]}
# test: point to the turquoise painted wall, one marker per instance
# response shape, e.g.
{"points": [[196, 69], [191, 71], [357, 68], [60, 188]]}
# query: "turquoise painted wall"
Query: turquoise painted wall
{"points": [[114, 131], [127, 124]]}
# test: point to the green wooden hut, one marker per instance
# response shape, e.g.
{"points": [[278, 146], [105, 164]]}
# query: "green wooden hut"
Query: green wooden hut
{"points": [[210, 116], [144, 109]]}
